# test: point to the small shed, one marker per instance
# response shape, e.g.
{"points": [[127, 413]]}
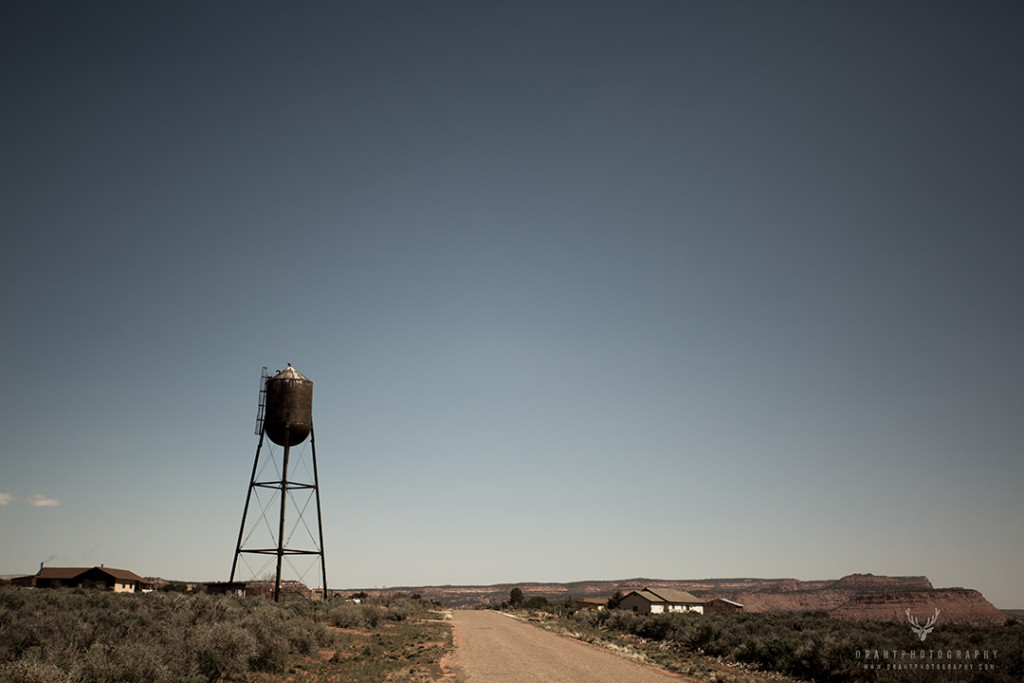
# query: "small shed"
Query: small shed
{"points": [[225, 588], [721, 605]]}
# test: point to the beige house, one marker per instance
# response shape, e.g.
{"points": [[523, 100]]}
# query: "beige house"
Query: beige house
{"points": [[661, 600]]}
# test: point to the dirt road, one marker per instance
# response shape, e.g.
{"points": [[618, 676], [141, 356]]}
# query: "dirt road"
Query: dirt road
{"points": [[490, 646]]}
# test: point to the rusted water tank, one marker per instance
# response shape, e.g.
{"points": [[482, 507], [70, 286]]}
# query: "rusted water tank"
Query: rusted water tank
{"points": [[289, 412]]}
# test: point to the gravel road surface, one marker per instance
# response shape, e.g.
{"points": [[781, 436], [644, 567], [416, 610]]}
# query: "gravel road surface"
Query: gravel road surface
{"points": [[493, 647]]}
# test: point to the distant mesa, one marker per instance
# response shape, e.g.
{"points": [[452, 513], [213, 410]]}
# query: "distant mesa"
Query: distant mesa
{"points": [[872, 582], [957, 605]]}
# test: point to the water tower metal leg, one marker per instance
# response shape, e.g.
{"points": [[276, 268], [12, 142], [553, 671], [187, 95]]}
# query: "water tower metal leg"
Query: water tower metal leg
{"points": [[278, 548], [319, 516], [280, 532], [245, 510]]}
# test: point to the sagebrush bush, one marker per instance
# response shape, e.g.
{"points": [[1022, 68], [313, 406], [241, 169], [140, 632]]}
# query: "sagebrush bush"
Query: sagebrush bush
{"points": [[810, 646], [352, 615], [223, 648], [271, 653], [401, 608], [591, 617], [621, 620], [127, 662], [32, 671], [57, 635]]}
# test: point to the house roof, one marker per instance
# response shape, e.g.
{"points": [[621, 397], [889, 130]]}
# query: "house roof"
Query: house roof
{"points": [[73, 572], [60, 572], [669, 595], [123, 574], [672, 595]]}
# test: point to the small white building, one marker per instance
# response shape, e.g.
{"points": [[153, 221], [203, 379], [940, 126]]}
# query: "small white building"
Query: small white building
{"points": [[661, 600]]}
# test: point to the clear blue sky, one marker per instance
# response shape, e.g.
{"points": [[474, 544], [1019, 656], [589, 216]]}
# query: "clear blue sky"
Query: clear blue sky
{"points": [[587, 290]]}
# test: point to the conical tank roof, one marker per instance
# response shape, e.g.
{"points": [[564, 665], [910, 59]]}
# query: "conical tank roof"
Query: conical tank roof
{"points": [[290, 373]]}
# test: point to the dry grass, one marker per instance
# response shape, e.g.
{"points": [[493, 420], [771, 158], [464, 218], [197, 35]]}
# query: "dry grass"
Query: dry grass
{"points": [[411, 650]]}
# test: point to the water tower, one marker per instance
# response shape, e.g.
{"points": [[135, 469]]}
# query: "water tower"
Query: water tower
{"points": [[285, 418]]}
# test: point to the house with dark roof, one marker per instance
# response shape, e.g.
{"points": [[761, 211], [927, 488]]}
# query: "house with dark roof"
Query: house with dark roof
{"points": [[106, 578], [661, 600]]}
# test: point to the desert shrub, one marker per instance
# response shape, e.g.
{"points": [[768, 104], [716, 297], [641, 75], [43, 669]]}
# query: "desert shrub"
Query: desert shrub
{"points": [[590, 617], [819, 657], [32, 671], [271, 654], [701, 634], [373, 615], [401, 608], [346, 615], [809, 646], [351, 615], [621, 620], [263, 621], [127, 662], [223, 649], [88, 635], [305, 635], [656, 626], [536, 602]]}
